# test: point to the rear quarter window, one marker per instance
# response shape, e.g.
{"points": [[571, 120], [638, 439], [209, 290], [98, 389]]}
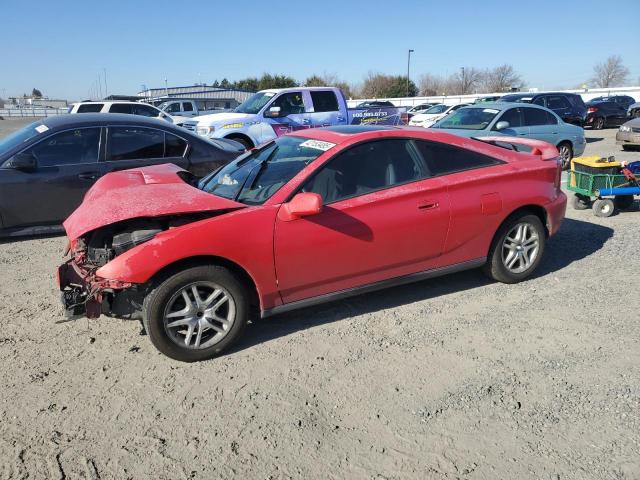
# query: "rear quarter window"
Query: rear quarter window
{"points": [[443, 159]]}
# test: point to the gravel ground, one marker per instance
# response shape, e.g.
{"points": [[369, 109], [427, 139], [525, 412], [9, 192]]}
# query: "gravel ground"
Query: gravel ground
{"points": [[454, 378]]}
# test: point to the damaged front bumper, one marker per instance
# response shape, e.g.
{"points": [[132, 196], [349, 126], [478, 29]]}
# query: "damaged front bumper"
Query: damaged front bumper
{"points": [[82, 292]]}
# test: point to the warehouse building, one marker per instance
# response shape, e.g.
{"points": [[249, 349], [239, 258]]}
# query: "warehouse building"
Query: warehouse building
{"points": [[223, 98]]}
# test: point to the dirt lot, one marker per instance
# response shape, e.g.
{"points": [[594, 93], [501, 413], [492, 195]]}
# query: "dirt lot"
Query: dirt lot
{"points": [[450, 378]]}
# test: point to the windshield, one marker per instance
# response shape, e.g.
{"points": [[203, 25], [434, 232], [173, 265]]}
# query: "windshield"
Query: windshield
{"points": [[255, 103], [21, 136], [436, 109], [255, 176], [468, 118]]}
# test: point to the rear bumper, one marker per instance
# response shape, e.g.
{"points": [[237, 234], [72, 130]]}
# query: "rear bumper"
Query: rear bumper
{"points": [[555, 213]]}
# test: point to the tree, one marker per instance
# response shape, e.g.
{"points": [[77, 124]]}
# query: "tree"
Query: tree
{"points": [[249, 83], [501, 79], [466, 81], [216, 83], [610, 73], [35, 93], [224, 83], [329, 80], [378, 85], [276, 81], [431, 85]]}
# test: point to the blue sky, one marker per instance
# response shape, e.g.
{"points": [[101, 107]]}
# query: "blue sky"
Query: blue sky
{"points": [[61, 47]]}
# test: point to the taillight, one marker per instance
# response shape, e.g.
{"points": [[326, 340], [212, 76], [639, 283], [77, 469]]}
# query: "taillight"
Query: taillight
{"points": [[592, 110]]}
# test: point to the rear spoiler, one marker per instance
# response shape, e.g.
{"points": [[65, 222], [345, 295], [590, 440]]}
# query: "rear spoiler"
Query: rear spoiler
{"points": [[538, 147]]}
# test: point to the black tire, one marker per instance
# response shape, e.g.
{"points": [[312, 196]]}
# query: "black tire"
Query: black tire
{"points": [[566, 154], [165, 294], [580, 202], [245, 143], [628, 148], [598, 123], [603, 207], [495, 267], [635, 113], [624, 202]]}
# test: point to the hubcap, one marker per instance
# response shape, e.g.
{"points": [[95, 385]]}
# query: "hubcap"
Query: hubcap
{"points": [[520, 248], [565, 154], [199, 315]]}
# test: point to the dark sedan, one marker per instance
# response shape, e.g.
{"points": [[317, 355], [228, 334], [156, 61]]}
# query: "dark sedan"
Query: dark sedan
{"points": [[46, 167], [602, 114]]}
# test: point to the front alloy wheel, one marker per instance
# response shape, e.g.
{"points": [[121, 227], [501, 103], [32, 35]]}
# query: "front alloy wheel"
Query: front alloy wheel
{"points": [[199, 315], [196, 313]]}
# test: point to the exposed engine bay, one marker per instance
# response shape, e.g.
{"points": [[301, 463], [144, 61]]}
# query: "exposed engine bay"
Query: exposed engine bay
{"points": [[105, 244]]}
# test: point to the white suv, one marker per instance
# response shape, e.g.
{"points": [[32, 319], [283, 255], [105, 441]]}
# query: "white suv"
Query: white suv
{"points": [[132, 108]]}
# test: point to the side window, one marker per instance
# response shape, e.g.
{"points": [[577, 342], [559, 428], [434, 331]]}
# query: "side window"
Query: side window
{"points": [[90, 108], [121, 108], [513, 116], [187, 107], [68, 148], [442, 159], [173, 108], [539, 101], [130, 143], [534, 116], [145, 111], [324, 101], [366, 168], [551, 119], [174, 146], [556, 103], [289, 103]]}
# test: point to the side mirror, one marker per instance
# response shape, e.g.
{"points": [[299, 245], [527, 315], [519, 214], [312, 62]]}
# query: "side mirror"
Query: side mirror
{"points": [[23, 161], [502, 125], [273, 112], [303, 204]]}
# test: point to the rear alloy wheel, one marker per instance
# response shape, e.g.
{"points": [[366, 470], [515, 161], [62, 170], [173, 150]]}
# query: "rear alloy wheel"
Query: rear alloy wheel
{"points": [[566, 154], [598, 123], [580, 202], [603, 207], [197, 313], [517, 249], [623, 202]]}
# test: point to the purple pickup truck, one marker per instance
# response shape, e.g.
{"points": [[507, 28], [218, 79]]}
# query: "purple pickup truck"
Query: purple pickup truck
{"points": [[271, 113]]}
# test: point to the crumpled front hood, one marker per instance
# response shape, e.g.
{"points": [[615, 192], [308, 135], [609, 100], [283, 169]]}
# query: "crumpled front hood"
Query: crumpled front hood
{"points": [[226, 117], [142, 192]]}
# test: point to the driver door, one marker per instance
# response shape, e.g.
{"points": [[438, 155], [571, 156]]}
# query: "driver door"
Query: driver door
{"points": [[383, 217], [293, 115]]}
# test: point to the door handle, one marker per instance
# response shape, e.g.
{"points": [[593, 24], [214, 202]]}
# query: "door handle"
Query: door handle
{"points": [[428, 205], [306, 121], [88, 176]]}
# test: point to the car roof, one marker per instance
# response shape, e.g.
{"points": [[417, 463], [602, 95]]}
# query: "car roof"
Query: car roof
{"points": [[102, 102], [83, 119]]}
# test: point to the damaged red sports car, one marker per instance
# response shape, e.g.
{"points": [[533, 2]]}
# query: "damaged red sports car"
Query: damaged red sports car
{"points": [[313, 216]]}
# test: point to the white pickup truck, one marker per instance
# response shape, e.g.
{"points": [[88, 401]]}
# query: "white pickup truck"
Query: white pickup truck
{"points": [[184, 109], [271, 113]]}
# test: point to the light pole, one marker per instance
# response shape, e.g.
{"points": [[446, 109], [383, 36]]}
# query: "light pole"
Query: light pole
{"points": [[408, 66], [464, 83]]}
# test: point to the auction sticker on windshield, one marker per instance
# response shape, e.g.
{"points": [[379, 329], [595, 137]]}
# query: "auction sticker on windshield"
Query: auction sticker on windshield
{"points": [[490, 110], [41, 128], [318, 145]]}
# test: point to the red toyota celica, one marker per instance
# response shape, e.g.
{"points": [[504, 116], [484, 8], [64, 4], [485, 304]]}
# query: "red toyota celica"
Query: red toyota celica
{"points": [[313, 216]]}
